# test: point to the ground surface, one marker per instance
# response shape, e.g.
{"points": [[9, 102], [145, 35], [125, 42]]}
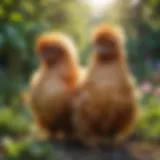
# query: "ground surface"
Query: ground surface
{"points": [[133, 150]]}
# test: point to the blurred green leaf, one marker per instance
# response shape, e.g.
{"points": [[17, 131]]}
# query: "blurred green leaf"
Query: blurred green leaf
{"points": [[2, 12], [12, 123], [8, 1], [2, 41], [14, 39], [16, 17], [149, 124], [29, 149]]}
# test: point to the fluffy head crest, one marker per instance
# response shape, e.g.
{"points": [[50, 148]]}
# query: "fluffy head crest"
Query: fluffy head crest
{"points": [[110, 32], [56, 38]]}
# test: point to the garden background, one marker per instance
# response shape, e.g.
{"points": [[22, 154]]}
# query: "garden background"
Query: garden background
{"points": [[21, 21]]}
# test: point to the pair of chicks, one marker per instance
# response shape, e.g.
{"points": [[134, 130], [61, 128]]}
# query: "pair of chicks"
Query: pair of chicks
{"points": [[102, 107]]}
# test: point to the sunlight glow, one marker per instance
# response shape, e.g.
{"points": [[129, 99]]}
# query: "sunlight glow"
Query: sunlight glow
{"points": [[99, 5]]}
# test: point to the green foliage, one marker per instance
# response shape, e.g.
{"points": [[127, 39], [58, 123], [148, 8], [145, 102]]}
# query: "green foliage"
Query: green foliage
{"points": [[28, 149], [114, 13], [148, 127], [151, 8], [13, 122], [150, 51]]}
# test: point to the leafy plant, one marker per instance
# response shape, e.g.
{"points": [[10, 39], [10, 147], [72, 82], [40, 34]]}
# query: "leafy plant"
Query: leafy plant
{"points": [[28, 149], [148, 126], [13, 123]]}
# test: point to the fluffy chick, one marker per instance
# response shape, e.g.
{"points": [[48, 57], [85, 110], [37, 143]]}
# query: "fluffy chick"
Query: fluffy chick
{"points": [[106, 106], [52, 85]]}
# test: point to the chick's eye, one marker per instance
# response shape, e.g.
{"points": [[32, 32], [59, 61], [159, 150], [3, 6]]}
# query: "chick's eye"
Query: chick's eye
{"points": [[52, 49], [47, 49], [103, 48]]}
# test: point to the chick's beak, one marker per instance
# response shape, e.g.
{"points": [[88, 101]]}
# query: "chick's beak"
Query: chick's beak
{"points": [[102, 49], [50, 52]]}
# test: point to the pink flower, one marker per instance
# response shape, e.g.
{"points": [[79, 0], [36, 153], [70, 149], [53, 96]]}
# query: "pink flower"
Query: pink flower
{"points": [[156, 76], [146, 87], [156, 92]]}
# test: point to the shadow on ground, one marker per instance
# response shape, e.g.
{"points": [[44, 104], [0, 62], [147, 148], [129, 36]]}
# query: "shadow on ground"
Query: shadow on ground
{"points": [[72, 150]]}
